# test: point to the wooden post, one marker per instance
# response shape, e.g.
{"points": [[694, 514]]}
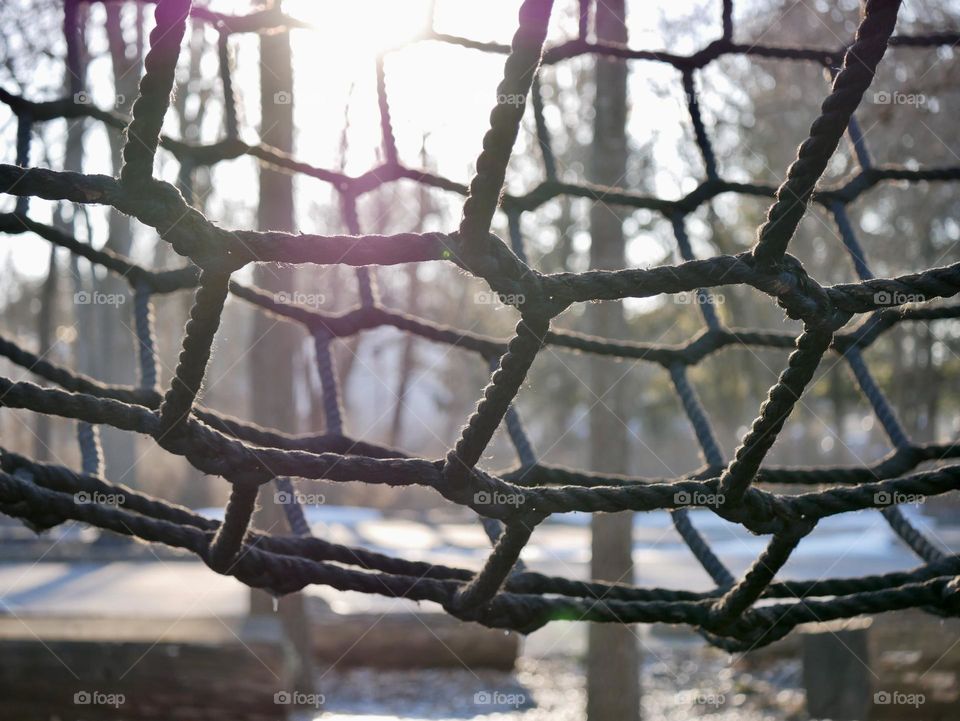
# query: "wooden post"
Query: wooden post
{"points": [[836, 671]]}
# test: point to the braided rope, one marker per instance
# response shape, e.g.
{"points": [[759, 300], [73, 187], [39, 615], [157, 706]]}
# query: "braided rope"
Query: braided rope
{"points": [[859, 65], [143, 133], [503, 593]]}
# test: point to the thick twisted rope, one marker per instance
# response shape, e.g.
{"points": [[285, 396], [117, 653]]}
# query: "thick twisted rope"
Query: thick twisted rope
{"points": [[502, 593]]}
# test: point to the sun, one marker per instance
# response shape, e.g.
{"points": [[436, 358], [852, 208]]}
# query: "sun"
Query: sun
{"points": [[335, 82], [360, 30]]}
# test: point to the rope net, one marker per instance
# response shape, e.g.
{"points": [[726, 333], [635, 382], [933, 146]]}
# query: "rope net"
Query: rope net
{"points": [[739, 613]]}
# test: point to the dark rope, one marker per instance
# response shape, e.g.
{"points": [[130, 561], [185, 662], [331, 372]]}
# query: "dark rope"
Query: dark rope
{"points": [[226, 81], [197, 344], [503, 594], [146, 339], [859, 65], [91, 453], [142, 135]]}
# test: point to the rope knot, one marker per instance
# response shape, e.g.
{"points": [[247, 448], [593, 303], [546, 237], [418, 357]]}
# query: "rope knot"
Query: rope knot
{"points": [[509, 277], [161, 206], [464, 611], [800, 296]]}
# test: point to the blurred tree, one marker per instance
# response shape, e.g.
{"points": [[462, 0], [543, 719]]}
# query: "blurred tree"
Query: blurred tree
{"points": [[613, 660], [274, 344], [114, 341]]}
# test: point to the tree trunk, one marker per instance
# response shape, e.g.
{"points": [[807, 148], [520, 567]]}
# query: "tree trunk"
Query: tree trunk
{"points": [[407, 360], [408, 357], [117, 345], [613, 658], [274, 343], [46, 321], [74, 81]]}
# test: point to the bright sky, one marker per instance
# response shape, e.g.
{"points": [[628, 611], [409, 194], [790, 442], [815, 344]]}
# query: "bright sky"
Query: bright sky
{"points": [[439, 94]]}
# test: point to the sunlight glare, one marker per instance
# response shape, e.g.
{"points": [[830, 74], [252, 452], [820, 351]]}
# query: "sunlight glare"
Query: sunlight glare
{"points": [[335, 84], [360, 30]]}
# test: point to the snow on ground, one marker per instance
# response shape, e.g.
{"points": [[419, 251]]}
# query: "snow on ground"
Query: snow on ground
{"points": [[679, 683], [848, 545]]}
